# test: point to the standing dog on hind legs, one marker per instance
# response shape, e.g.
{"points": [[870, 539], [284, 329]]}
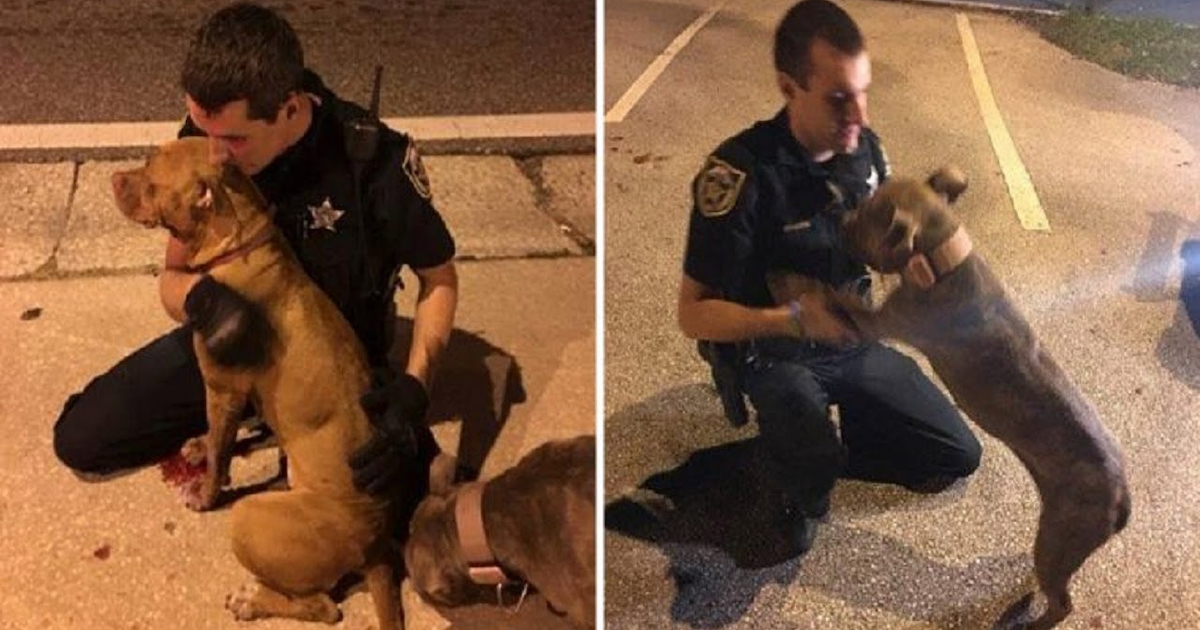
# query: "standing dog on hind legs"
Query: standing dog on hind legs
{"points": [[952, 308], [298, 543]]}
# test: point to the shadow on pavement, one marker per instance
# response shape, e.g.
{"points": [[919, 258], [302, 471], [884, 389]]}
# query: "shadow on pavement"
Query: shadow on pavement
{"points": [[712, 516], [478, 383]]}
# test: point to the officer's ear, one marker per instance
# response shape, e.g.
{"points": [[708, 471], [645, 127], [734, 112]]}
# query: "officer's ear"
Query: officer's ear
{"points": [[290, 107], [787, 85]]}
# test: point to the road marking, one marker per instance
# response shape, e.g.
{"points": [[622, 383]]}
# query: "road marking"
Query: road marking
{"points": [[1020, 186], [656, 67], [143, 134]]}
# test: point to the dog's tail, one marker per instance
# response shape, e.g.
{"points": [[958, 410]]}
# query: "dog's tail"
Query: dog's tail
{"points": [[385, 592]]}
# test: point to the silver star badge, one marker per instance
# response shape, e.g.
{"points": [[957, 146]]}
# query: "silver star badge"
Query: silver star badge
{"points": [[324, 216]]}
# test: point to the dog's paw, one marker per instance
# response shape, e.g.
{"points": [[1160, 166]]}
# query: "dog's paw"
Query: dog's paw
{"points": [[1018, 616], [242, 603], [195, 452], [201, 495]]}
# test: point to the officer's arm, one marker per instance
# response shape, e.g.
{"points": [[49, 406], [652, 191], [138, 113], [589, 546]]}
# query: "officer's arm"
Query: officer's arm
{"points": [[175, 281], [703, 315], [437, 298]]}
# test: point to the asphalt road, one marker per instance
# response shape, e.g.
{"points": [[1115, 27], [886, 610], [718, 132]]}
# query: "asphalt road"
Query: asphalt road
{"points": [[119, 60], [1115, 165]]}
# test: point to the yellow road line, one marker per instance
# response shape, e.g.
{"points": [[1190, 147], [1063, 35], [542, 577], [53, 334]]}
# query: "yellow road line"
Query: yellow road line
{"points": [[1020, 186], [656, 67]]}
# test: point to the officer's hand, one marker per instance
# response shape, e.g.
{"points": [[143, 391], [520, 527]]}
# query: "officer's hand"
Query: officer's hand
{"points": [[396, 408], [816, 318], [234, 330]]}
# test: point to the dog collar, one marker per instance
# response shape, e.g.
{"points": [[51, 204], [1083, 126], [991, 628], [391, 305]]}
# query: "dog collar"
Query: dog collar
{"points": [[924, 271], [258, 240], [472, 539]]}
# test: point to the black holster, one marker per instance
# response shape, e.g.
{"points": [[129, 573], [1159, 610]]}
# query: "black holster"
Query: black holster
{"points": [[725, 361]]}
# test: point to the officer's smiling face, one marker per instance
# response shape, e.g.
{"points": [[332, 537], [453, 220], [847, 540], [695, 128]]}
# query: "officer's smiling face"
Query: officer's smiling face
{"points": [[827, 115], [248, 144]]}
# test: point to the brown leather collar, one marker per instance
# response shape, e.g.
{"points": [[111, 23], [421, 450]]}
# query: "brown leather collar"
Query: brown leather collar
{"points": [[924, 271], [258, 240], [472, 539]]}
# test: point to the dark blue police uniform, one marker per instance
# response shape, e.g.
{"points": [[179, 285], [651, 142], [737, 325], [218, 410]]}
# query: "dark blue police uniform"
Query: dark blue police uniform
{"points": [[761, 204], [147, 405]]}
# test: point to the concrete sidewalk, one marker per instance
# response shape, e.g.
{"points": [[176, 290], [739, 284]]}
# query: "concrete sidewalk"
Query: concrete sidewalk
{"points": [[77, 296], [60, 220]]}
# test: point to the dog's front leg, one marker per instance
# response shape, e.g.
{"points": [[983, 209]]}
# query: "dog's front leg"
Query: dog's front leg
{"points": [[225, 405]]}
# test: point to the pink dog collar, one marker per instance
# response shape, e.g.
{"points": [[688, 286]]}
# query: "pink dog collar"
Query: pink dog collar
{"points": [[472, 539], [924, 271]]}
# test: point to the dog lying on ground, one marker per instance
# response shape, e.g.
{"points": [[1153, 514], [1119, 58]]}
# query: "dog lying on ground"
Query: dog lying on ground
{"points": [[953, 309], [539, 519], [298, 543]]}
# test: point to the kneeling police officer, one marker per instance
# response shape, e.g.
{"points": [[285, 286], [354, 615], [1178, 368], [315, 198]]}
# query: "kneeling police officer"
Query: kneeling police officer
{"points": [[771, 198]]}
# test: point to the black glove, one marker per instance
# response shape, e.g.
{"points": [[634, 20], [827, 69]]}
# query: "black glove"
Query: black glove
{"points": [[396, 407], [234, 330]]}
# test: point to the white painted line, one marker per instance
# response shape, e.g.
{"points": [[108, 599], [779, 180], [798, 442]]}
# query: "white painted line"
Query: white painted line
{"points": [[987, 6], [1020, 186], [143, 134], [656, 67]]}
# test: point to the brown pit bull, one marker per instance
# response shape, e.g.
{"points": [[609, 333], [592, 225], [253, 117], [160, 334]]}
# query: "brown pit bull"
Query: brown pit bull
{"points": [[956, 312], [299, 542], [539, 518]]}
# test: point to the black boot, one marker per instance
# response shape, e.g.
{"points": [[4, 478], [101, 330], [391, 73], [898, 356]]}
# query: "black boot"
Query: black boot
{"points": [[797, 528]]}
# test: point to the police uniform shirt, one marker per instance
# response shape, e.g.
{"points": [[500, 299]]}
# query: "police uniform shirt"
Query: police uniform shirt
{"points": [[761, 204], [353, 256]]}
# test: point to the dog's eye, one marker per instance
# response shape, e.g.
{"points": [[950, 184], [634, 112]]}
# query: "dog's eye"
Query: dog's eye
{"points": [[894, 236]]}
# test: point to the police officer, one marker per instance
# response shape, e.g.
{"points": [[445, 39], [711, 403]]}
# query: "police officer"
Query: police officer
{"points": [[353, 221], [770, 198]]}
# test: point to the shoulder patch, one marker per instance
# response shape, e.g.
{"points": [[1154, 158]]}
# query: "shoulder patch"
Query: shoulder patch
{"points": [[414, 168], [718, 187]]}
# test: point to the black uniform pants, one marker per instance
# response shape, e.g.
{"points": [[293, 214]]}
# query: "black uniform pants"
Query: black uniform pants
{"points": [[896, 425], [141, 410]]}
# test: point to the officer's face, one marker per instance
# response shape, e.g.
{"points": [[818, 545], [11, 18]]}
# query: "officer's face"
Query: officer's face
{"points": [[248, 144], [828, 114]]}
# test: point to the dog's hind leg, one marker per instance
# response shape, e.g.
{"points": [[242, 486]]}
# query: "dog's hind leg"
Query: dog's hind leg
{"points": [[298, 544], [1072, 526]]}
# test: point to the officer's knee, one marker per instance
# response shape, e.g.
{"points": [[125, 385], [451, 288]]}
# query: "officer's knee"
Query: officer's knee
{"points": [[74, 445], [963, 460]]}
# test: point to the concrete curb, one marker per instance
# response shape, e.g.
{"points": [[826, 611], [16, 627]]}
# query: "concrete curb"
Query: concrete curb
{"points": [[61, 221]]}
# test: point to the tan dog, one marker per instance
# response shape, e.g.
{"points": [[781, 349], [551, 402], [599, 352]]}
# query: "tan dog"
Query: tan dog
{"points": [[301, 541], [539, 517], [956, 312]]}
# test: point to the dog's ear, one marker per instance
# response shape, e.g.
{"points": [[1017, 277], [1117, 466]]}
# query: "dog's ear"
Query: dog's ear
{"points": [[205, 202], [441, 474], [949, 182], [898, 242]]}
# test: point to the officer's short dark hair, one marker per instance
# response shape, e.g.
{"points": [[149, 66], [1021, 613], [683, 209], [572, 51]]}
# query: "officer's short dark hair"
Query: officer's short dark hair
{"points": [[805, 22], [244, 51]]}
